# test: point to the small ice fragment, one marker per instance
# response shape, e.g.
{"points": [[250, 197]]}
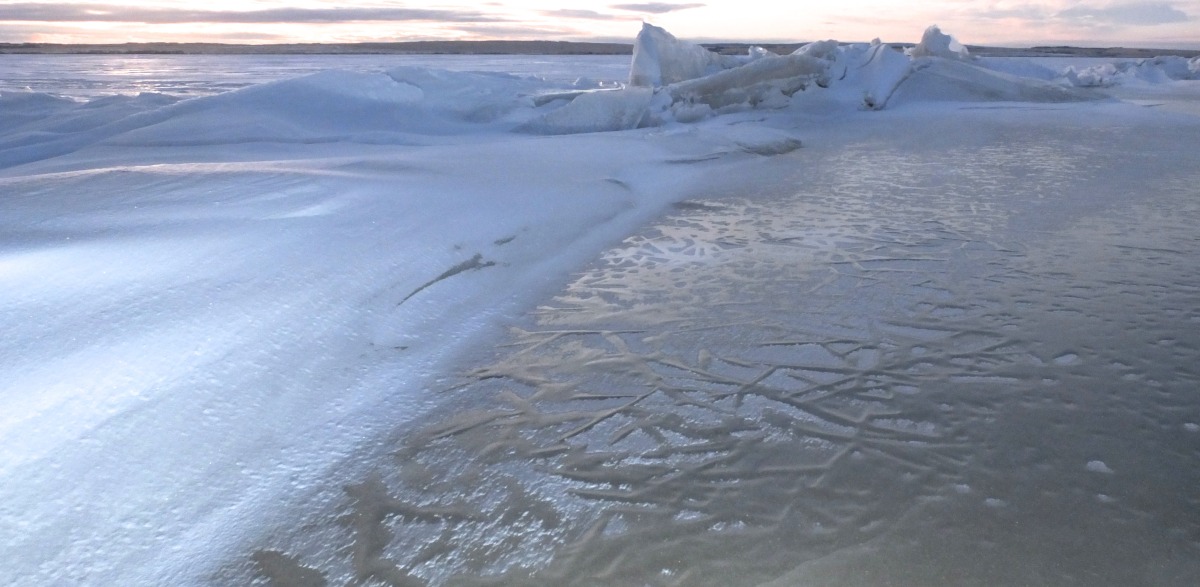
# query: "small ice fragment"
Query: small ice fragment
{"points": [[1067, 359], [962, 488], [1104, 498], [993, 502], [1099, 467], [1192, 427]]}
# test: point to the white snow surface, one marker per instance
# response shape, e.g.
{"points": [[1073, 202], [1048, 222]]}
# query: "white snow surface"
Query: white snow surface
{"points": [[211, 304]]}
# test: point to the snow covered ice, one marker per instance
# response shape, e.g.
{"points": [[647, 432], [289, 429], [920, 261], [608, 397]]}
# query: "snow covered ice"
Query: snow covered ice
{"points": [[841, 317]]}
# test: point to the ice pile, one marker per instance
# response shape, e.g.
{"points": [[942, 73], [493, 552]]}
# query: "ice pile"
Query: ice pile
{"points": [[676, 81], [942, 69], [1156, 70], [670, 81], [659, 58]]}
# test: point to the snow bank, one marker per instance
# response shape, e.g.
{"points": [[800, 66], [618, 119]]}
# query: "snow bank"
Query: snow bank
{"points": [[34, 126], [338, 105], [18, 108]]}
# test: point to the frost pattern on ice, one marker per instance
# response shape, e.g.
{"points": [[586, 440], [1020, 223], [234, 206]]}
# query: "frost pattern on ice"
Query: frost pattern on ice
{"points": [[752, 384]]}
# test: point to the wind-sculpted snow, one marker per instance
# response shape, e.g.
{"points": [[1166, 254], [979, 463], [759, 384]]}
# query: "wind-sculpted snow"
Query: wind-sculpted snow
{"points": [[397, 107], [372, 108], [37, 126]]}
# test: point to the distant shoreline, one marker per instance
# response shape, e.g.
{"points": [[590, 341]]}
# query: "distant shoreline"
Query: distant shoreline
{"points": [[407, 48], [515, 48]]}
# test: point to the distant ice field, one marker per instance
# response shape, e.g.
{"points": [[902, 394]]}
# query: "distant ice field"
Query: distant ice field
{"points": [[90, 76]]}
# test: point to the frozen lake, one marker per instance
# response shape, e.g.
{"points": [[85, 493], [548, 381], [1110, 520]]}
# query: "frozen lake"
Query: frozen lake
{"points": [[879, 364], [90, 76], [396, 325]]}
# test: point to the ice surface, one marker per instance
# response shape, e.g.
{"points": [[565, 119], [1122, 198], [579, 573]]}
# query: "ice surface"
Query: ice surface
{"points": [[898, 333], [224, 314]]}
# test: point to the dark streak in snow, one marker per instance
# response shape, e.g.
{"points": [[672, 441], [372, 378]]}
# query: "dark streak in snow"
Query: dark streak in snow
{"points": [[471, 264]]}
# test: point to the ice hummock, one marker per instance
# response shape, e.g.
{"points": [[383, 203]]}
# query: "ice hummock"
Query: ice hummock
{"points": [[935, 43], [1155, 70], [659, 59], [690, 83]]}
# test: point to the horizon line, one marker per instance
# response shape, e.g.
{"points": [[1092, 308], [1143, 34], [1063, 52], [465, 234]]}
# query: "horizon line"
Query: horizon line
{"points": [[601, 42]]}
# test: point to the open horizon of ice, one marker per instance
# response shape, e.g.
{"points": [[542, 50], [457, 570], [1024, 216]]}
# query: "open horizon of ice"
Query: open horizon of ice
{"points": [[89, 77], [212, 305]]}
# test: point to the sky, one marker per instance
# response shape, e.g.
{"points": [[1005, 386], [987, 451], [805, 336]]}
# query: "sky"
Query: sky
{"points": [[1165, 23]]}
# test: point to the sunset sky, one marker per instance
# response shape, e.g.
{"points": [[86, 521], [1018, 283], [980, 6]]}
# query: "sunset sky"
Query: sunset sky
{"points": [[1169, 23]]}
